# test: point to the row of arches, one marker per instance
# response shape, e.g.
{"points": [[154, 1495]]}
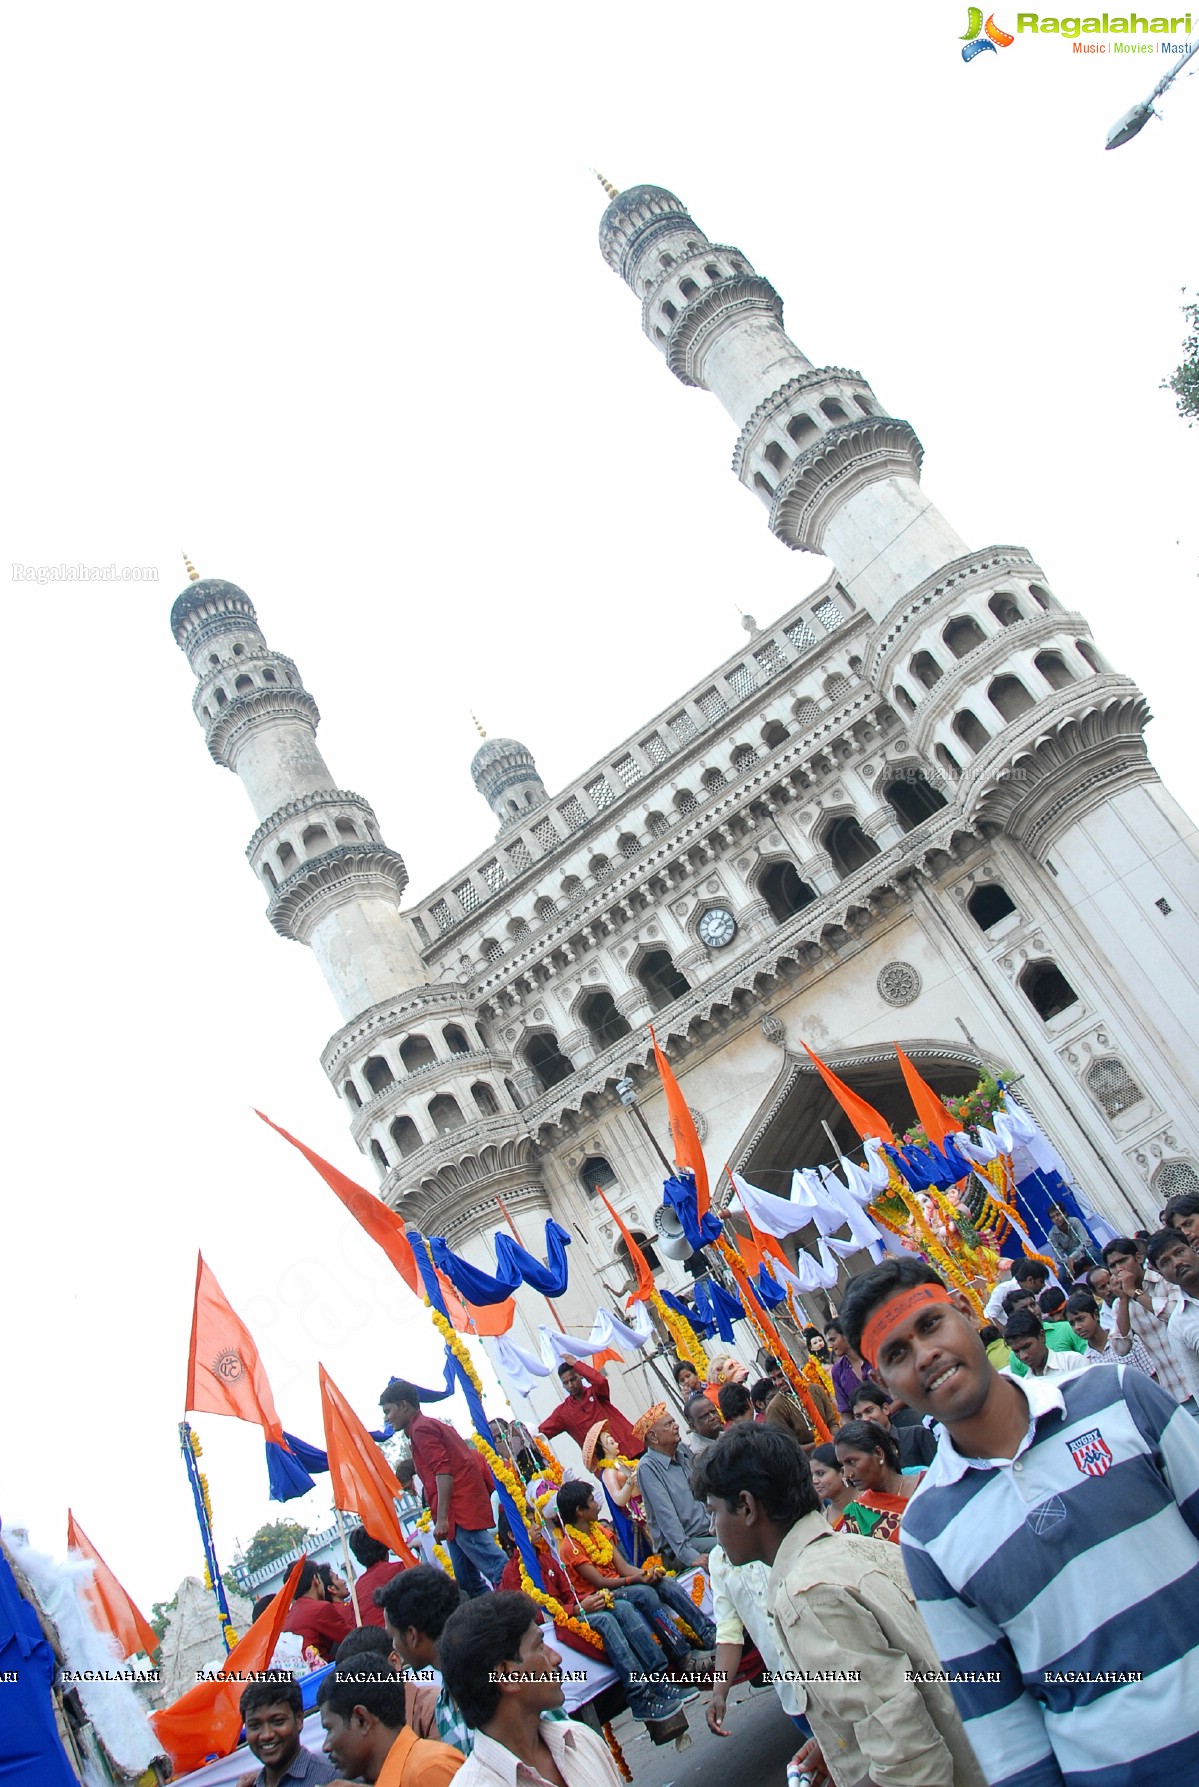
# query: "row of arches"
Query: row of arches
{"points": [[445, 1116], [245, 684], [801, 430], [315, 840], [414, 1052]]}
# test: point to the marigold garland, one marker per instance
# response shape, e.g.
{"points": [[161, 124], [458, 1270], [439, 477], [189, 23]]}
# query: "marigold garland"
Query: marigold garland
{"points": [[697, 1588], [587, 1635], [553, 1469], [769, 1337], [596, 1545], [454, 1342], [687, 1343], [425, 1524], [622, 1767], [502, 1471]]}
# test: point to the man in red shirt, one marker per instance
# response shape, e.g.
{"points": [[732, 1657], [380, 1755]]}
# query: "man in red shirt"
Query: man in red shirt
{"points": [[457, 1486], [377, 1571], [319, 1622], [588, 1399]]}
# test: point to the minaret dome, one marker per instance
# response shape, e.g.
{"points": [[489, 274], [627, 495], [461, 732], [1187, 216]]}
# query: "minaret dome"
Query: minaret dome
{"points": [[504, 772]]}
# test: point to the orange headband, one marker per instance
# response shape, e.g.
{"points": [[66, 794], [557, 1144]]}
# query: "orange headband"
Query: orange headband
{"points": [[895, 1310]]}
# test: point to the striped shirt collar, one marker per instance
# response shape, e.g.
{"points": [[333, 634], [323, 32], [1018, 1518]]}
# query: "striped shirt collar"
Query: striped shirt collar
{"points": [[1043, 1396]]}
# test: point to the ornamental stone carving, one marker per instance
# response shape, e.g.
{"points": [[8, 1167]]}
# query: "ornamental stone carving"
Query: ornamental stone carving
{"points": [[772, 1029], [700, 1122], [898, 983]]}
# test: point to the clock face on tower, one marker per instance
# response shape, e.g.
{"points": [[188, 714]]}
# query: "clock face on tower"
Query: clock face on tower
{"points": [[717, 927]]}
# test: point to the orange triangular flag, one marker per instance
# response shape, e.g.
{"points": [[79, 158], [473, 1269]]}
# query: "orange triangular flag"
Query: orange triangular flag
{"points": [[936, 1120], [645, 1279], [225, 1376], [683, 1133], [110, 1606], [363, 1482], [206, 1720], [865, 1119], [377, 1218]]}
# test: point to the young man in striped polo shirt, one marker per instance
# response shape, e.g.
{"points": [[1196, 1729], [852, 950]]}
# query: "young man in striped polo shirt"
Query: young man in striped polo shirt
{"points": [[1053, 1546]]}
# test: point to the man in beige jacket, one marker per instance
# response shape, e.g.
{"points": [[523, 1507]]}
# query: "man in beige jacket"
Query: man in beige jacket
{"points": [[846, 1622]]}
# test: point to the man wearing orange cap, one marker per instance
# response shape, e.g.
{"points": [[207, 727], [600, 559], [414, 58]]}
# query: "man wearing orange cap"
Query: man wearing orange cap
{"points": [[678, 1522]]}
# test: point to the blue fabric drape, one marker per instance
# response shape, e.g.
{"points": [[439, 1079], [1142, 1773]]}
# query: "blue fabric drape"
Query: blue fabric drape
{"points": [[679, 1193], [680, 1308], [770, 1291], [516, 1267], [931, 1165], [713, 1318], [31, 1752], [286, 1473]]}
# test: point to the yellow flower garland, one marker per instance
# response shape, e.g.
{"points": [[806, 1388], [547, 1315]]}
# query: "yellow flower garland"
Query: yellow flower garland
{"points": [[503, 1473], [687, 1343], [578, 1628], [553, 1469], [425, 1525], [596, 1544], [454, 1342]]}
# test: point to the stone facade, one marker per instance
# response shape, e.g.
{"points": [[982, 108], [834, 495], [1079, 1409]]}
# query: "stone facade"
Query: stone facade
{"points": [[916, 808]]}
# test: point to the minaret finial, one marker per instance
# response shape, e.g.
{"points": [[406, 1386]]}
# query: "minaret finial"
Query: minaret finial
{"points": [[479, 729], [193, 576], [613, 192]]}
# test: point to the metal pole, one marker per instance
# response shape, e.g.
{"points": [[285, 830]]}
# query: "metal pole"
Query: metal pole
{"points": [[652, 1138]]}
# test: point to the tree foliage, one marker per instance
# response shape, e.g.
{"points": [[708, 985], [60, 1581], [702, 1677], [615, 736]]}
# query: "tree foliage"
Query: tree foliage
{"points": [[272, 1541], [161, 1611], [1184, 381]]}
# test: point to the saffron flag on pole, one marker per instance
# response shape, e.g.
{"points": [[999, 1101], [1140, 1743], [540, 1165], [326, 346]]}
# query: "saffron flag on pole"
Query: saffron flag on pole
{"points": [[370, 1212], [937, 1121], [111, 1608], [865, 1119], [687, 1151], [225, 1376], [645, 1279], [206, 1721], [363, 1482]]}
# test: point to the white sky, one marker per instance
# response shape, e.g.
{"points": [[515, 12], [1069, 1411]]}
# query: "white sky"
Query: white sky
{"points": [[316, 295]]}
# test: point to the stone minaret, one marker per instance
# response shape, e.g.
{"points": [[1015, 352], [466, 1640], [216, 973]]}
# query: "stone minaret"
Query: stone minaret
{"points": [[999, 688], [331, 880]]}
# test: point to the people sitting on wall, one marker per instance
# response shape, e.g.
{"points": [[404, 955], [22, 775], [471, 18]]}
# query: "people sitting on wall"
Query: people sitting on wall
{"points": [[592, 1559]]}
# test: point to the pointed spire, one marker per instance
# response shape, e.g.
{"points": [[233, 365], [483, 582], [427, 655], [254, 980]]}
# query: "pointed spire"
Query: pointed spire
{"points": [[478, 728], [193, 576], [613, 192]]}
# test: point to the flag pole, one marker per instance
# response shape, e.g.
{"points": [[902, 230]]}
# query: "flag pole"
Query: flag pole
{"points": [[190, 1446], [345, 1552]]}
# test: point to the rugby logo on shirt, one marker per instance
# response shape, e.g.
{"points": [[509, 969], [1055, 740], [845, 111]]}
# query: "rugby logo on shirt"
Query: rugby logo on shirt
{"points": [[1091, 1453]]}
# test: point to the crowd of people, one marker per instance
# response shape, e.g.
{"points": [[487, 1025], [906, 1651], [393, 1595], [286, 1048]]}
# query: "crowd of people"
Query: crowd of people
{"points": [[989, 1573]]}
